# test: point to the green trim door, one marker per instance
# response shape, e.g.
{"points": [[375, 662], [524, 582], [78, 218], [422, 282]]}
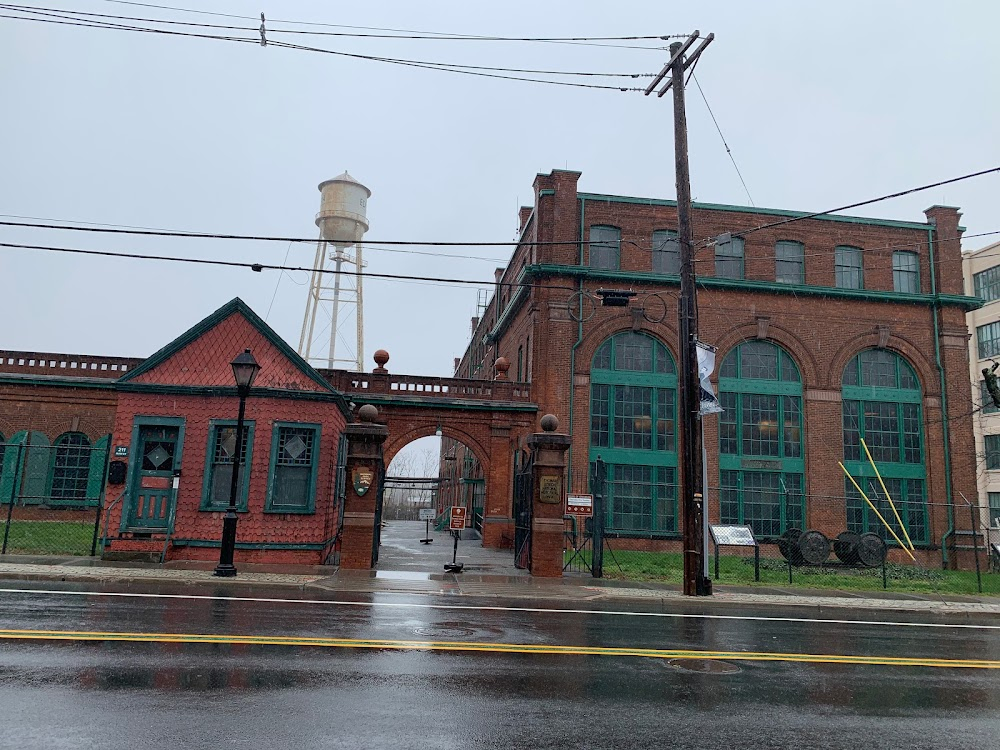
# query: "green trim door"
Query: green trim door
{"points": [[155, 461]]}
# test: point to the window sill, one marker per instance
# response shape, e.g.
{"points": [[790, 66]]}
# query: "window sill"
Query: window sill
{"points": [[290, 511]]}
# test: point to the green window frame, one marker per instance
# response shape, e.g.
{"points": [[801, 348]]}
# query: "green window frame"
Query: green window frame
{"points": [[218, 465], [729, 258], [69, 471], [3, 450], [988, 340], [666, 252], [605, 247], [293, 468], [994, 502], [882, 403], [905, 272], [849, 267], [986, 284], [633, 408], [991, 443], [761, 446], [789, 262]]}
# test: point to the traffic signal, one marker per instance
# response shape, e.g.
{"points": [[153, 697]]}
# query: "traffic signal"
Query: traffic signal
{"points": [[991, 383]]}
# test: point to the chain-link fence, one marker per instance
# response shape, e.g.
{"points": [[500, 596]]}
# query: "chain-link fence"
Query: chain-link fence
{"points": [[776, 536], [50, 498]]}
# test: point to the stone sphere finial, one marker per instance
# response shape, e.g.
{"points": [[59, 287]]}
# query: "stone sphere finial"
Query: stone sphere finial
{"points": [[550, 423], [367, 414], [381, 356], [501, 366]]}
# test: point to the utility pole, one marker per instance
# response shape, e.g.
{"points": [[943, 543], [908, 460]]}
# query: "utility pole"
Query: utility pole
{"points": [[696, 583]]}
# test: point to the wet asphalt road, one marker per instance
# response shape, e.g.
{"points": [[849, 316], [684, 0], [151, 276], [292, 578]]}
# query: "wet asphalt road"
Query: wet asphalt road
{"points": [[76, 694]]}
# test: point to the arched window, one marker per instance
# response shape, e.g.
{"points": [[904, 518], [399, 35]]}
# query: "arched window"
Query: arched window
{"points": [[881, 404], [632, 415], [70, 467], [761, 462]]}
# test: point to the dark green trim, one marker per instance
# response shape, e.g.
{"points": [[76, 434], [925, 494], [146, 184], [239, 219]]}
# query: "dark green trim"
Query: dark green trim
{"points": [[310, 506], [206, 485], [235, 305], [748, 210], [254, 545], [471, 405], [771, 287], [547, 191], [56, 381], [510, 310], [135, 460]]}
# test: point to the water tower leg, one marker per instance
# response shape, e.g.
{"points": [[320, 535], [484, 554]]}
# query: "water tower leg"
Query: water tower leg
{"points": [[312, 303], [360, 310], [339, 258]]}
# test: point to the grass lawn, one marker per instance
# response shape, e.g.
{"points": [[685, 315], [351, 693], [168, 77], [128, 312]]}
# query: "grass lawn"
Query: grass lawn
{"points": [[668, 567], [48, 537]]}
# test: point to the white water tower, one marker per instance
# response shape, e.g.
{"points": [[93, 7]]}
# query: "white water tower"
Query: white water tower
{"points": [[342, 222]]}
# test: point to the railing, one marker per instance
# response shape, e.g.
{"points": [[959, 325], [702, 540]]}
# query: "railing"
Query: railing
{"points": [[65, 365], [414, 385]]}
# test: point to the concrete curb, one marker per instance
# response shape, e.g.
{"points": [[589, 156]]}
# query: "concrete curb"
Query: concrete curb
{"points": [[585, 593]]}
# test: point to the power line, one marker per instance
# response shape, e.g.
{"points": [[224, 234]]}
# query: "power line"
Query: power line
{"points": [[431, 35], [745, 232], [427, 65], [258, 267], [115, 229], [728, 150], [71, 15]]}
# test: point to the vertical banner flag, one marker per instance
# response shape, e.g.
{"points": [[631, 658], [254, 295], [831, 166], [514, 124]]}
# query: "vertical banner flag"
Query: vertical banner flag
{"points": [[706, 366]]}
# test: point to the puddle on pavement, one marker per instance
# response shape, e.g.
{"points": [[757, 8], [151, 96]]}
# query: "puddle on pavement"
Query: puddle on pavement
{"points": [[402, 575]]}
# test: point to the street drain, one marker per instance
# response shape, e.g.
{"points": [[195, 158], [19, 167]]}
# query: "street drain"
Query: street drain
{"points": [[703, 666]]}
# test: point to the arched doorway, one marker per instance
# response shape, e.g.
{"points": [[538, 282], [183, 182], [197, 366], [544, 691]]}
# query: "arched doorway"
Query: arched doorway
{"points": [[633, 406], [881, 404], [761, 455]]}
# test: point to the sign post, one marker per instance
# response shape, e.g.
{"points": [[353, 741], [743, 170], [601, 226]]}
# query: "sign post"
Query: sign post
{"points": [[456, 522], [427, 515]]}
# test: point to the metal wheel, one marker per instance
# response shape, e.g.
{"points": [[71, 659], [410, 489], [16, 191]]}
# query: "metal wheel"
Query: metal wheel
{"points": [[788, 545], [871, 550], [814, 547], [846, 547]]}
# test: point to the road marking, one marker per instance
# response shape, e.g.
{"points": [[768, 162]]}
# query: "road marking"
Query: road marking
{"points": [[506, 648], [493, 608]]}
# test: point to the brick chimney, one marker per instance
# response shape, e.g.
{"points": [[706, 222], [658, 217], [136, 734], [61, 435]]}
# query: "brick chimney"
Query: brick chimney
{"points": [[947, 248]]}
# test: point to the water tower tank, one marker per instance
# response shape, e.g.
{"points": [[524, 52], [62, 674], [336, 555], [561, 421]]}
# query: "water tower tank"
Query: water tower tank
{"points": [[342, 217]]}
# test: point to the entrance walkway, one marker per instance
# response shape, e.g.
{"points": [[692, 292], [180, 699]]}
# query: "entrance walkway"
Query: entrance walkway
{"points": [[402, 551]]}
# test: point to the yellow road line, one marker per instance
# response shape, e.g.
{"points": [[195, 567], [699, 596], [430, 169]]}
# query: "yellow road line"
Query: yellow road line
{"points": [[515, 648]]}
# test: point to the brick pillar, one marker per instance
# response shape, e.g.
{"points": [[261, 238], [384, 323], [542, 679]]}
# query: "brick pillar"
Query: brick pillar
{"points": [[364, 449], [549, 502]]}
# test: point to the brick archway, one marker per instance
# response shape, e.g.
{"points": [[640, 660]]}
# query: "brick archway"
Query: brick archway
{"points": [[490, 417]]}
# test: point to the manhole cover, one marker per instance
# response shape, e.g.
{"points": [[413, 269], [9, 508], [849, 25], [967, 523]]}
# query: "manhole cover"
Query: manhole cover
{"points": [[444, 631], [703, 666]]}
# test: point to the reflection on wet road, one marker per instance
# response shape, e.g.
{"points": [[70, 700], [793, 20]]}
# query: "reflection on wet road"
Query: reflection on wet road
{"points": [[565, 686]]}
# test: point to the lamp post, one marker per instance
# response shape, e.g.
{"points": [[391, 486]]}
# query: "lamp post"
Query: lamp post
{"points": [[245, 369]]}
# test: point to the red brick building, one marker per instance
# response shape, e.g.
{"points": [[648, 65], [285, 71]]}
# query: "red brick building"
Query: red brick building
{"points": [[829, 330]]}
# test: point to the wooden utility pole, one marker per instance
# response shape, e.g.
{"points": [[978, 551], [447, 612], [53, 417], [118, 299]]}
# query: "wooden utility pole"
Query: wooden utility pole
{"points": [[696, 583]]}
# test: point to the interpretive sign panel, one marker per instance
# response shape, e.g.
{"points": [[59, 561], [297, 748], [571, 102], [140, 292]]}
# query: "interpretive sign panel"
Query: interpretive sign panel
{"points": [[733, 536]]}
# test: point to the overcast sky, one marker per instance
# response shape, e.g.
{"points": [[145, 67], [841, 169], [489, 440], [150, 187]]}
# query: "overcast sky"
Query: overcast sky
{"points": [[822, 105]]}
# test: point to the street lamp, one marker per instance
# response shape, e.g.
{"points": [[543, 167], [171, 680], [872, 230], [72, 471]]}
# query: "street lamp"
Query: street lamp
{"points": [[245, 369]]}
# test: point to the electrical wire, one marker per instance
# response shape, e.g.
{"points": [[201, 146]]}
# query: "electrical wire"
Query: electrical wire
{"points": [[719, 129], [258, 267], [66, 15], [899, 194]]}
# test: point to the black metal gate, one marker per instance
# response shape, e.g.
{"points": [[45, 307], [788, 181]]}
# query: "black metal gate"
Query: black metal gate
{"points": [[523, 497], [377, 532], [584, 547]]}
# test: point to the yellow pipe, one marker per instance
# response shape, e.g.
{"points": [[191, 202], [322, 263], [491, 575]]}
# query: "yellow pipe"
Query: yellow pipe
{"points": [[886, 491], [898, 540]]}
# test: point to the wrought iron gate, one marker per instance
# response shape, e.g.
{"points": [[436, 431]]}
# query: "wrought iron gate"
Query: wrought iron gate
{"points": [[377, 531], [584, 548], [523, 497]]}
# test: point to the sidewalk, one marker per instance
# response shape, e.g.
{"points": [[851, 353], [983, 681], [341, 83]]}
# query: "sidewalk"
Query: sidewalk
{"points": [[585, 592]]}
